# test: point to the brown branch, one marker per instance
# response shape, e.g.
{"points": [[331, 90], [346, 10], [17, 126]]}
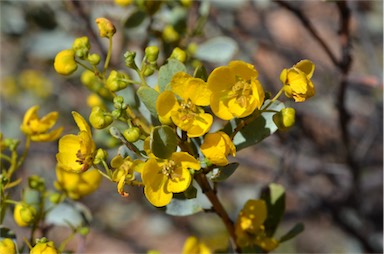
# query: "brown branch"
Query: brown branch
{"points": [[308, 25], [218, 207]]}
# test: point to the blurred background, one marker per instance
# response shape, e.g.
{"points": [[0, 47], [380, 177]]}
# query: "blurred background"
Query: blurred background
{"points": [[331, 165]]}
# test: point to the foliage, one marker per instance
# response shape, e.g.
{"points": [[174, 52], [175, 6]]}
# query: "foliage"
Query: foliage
{"points": [[167, 144]]}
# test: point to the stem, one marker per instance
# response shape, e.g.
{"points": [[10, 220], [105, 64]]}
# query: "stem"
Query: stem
{"points": [[84, 66], [108, 55], [218, 208]]}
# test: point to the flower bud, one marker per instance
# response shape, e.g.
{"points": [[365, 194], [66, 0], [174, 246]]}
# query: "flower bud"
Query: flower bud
{"points": [[285, 118], [132, 134], [116, 82], [106, 28], [170, 34], [43, 246], [94, 100], [94, 59], [101, 155], [81, 46], [152, 53], [99, 119], [24, 214], [55, 197], [149, 70], [65, 63], [7, 246], [123, 3], [83, 231], [37, 183], [130, 59], [179, 54]]}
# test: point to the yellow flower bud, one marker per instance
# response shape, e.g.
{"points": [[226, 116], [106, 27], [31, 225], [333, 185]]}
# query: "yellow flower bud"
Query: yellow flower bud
{"points": [[100, 156], [94, 59], [24, 214], [81, 46], [186, 3], [99, 119], [116, 81], [106, 28], [152, 53], [170, 34], [285, 118], [216, 147], [7, 246], [65, 63], [123, 2], [179, 54], [43, 246], [94, 100], [132, 134]]}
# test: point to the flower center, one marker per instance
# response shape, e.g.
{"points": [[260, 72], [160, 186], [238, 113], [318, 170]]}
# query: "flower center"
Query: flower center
{"points": [[188, 110], [84, 160], [241, 90], [169, 168]]}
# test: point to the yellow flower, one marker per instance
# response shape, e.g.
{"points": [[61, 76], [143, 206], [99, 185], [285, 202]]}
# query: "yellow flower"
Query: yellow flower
{"points": [[124, 171], [236, 92], [162, 178], [36, 82], [186, 113], [249, 228], [43, 246], [76, 152], [297, 81], [193, 246], [37, 128], [65, 63], [216, 147], [77, 185], [106, 28], [7, 246]]}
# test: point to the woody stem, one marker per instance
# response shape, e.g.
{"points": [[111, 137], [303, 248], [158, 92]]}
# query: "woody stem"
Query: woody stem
{"points": [[218, 208]]}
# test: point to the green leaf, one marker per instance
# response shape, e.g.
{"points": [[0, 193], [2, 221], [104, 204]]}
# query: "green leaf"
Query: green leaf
{"points": [[201, 72], [7, 233], [183, 206], [135, 19], [274, 196], [167, 71], [69, 214], [262, 127], [297, 229], [163, 141], [148, 96], [222, 173], [217, 50]]}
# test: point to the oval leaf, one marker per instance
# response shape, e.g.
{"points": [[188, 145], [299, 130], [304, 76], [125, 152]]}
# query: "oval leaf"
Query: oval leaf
{"points": [[135, 19], [297, 229], [217, 50], [65, 214], [167, 71], [222, 173], [163, 141], [262, 127], [148, 96], [274, 197]]}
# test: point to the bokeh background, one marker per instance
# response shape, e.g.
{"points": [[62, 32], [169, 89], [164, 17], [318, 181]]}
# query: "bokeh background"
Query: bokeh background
{"points": [[334, 183]]}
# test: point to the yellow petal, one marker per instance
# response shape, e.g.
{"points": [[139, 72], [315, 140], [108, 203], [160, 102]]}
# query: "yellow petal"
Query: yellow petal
{"points": [[166, 103], [191, 88], [218, 106], [47, 137], [221, 79], [201, 125], [242, 69], [306, 66], [181, 180], [81, 123], [50, 119], [186, 160], [69, 145], [154, 184]]}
